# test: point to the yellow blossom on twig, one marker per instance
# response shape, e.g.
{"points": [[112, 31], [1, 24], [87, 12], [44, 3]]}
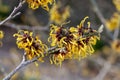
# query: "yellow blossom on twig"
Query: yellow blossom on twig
{"points": [[32, 46], [34, 4], [75, 42], [59, 56]]}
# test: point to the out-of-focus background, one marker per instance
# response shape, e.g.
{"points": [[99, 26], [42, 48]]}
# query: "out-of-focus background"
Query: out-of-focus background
{"points": [[104, 64]]}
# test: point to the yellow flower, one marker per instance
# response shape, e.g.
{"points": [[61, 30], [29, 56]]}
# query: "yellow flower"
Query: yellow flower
{"points": [[33, 47], [56, 37], [59, 14], [82, 22], [44, 4], [78, 50], [59, 56], [24, 39], [86, 37], [77, 42], [114, 22], [116, 46], [117, 4], [61, 38], [34, 4]]}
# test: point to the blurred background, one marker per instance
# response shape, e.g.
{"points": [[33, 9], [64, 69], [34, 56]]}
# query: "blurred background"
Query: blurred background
{"points": [[104, 64]]}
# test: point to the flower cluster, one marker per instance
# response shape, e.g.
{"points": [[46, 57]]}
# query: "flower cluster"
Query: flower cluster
{"points": [[117, 4], [33, 47], [58, 13], [73, 43], [34, 4], [114, 22], [1, 36]]}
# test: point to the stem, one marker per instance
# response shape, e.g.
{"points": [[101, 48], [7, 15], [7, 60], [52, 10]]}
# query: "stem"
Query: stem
{"points": [[27, 62], [116, 33], [14, 13], [20, 66], [107, 66], [17, 27], [8, 77], [100, 16]]}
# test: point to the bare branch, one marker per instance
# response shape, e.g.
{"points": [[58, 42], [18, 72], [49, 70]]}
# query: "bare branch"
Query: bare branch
{"points": [[25, 62], [107, 66], [100, 16], [14, 13], [18, 27], [116, 33], [21, 65]]}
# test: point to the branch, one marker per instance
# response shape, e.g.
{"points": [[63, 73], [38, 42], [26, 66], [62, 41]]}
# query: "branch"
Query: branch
{"points": [[116, 33], [14, 13], [18, 27], [27, 62], [21, 65], [107, 66], [100, 16]]}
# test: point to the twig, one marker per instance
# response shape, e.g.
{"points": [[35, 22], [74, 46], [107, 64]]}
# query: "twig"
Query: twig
{"points": [[14, 13], [116, 33], [100, 16], [107, 66], [18, 27], [21, 65], [27, 62]]}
